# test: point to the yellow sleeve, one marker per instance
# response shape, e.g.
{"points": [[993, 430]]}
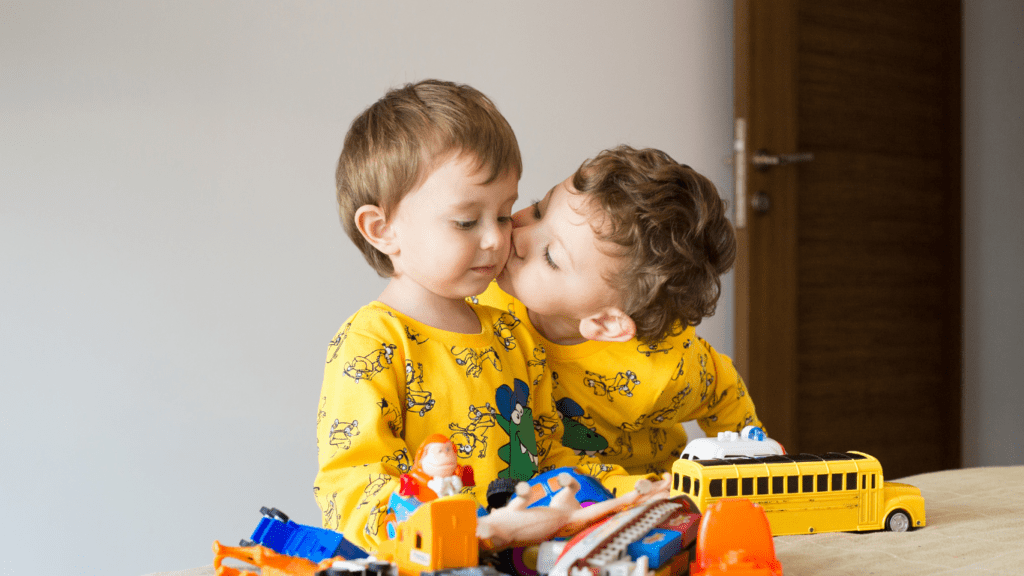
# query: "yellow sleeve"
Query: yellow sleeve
{"points": [[358, 422], [728, 406]]}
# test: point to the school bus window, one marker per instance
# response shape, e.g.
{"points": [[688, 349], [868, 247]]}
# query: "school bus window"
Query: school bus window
{"points": [[675, 481], [837, 481], [808, 483], [715, 488], [696, 486], [851, 480], [747, 485], [778, 485], [686, 484], [872, 481], [762, 485], [792, 484], [864, 482], [731, 486], [822, 482]]}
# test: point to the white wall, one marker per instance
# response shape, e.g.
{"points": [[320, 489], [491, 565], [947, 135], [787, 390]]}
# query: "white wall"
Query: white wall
{"points": [[171, 265], [993, 212]]}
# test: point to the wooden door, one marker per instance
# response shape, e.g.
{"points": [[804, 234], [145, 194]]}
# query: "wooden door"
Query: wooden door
{"points": [[848, 277]]}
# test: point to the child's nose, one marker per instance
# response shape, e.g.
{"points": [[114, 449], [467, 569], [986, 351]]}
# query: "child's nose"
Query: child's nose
{"points": [[494, 237]]}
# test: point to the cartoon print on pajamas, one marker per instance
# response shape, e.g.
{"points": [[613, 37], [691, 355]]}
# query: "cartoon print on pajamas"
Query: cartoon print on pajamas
{"points": [[399, 460], [474, 361], [669, 413], [373, 487], [342, 433], [705, 378], [648, 350], [376, 519], [539, 357], [575, 434], [680, 368], [368, 366], [592, 469], [414, 336], [516, 418], [390, 415], [624, 442], [337, 342], [474, 435], [623, 383], [415, 395], [330, 515], [503, 330]]}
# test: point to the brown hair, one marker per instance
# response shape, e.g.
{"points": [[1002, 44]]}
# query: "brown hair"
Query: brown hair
{"points": [[670, 224], [393, 145]]}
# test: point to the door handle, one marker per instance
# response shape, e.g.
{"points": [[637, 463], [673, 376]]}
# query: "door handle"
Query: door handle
{"points": [[763, 160]]}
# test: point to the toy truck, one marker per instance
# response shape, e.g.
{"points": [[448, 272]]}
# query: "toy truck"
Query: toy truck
{"points": [[277, 532]]}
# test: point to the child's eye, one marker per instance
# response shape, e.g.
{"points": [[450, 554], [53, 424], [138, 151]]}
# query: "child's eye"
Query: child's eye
{"points": [[536, 209], [504, 219], [547, 257], [465, 224]]}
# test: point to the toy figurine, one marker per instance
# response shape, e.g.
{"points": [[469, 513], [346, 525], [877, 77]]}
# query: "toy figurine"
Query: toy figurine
{"points": [[435, 471]]}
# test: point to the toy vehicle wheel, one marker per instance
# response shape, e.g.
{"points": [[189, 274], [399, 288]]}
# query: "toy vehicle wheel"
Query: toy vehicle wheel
{"points": [[500, 491], [898, 521], [274, 513]]}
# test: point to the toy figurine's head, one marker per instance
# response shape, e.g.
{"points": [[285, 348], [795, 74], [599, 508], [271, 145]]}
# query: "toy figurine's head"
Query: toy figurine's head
{"points": [[436, 456]]}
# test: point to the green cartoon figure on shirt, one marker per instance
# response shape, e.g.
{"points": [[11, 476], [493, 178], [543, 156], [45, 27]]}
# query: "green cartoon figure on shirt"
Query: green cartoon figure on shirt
{"points": [[516, 417]]}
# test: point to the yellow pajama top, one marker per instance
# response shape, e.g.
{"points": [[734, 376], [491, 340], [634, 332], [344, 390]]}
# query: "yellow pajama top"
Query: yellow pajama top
{"points": [[390, 381], [625, 401]]}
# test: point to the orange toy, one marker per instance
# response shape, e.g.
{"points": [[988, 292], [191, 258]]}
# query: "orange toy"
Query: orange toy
{"points": [[270, 563], [735, 538], [439, 535]]}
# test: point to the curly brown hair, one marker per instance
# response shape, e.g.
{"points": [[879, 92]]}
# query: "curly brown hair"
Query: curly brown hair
{"points": [[393, 146], [673, 232]]}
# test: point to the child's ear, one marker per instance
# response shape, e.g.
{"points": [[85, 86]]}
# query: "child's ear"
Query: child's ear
{"points": [[373, 225], [608, 325]]}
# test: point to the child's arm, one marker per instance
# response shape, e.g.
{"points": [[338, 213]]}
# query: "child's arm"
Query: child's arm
{"points": [[727, 405], [359, 426]]}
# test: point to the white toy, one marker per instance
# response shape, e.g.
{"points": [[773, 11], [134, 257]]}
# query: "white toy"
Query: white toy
{"points": [[751, 441]]}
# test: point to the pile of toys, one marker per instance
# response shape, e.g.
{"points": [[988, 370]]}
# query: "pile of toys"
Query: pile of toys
{"points": [[729, 496], [661, 537]]}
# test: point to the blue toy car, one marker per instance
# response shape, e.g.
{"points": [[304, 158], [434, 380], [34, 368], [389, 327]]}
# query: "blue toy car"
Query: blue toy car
{"points": [[590, 491], [277, 532]]}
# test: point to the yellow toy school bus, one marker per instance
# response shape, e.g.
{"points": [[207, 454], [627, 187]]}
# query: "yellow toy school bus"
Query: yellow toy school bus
{"points": [[806, 493]]}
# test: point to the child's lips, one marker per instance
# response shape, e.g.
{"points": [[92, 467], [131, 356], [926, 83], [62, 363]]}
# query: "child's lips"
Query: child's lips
{"points": [[484, 269]]}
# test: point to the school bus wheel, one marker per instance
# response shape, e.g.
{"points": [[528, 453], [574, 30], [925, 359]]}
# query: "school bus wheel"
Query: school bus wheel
{"points": [[898, 521]]}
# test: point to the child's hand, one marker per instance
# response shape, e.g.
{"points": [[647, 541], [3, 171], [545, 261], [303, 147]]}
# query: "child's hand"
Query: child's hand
{"points": [[649, 491]]}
